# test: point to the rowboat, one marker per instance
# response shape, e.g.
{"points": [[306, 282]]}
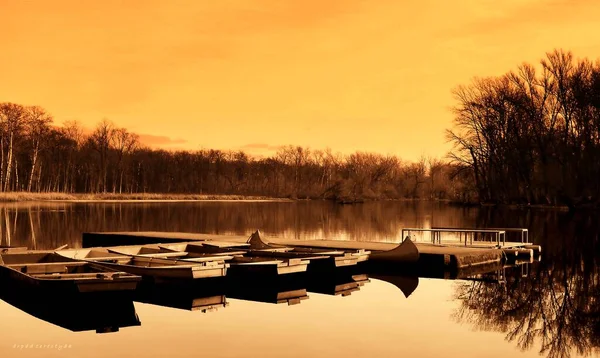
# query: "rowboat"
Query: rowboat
{"points": [[255, 251], [321, 258], [46, 269], [240, 259], [157, 266]]}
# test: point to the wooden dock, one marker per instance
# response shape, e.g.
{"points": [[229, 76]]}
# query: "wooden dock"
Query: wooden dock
{"points": [[482, 238], [433, 254]]}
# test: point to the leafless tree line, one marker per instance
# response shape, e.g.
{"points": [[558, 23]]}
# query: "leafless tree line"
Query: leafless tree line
{"points": [[532, 136], [38, 156]]}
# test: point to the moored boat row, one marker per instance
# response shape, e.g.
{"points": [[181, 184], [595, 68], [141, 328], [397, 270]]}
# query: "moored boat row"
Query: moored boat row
{"points": [[122, 267]]}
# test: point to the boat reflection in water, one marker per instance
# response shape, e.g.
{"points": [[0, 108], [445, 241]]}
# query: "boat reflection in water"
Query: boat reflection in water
{"points": [[110, 311], [289, 290], [208, 295], [337, 285], [102, 312]]}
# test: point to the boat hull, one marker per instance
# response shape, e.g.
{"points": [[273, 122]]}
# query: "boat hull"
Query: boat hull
{"points": [[405, 253], [60, 284], [190, 272], [268, 269]]}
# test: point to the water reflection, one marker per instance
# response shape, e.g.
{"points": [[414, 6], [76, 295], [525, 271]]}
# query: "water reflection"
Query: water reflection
{"points": [[553, 309], [49, 225], [109, 311], [206, 296], [337, 284], [98, 312]]}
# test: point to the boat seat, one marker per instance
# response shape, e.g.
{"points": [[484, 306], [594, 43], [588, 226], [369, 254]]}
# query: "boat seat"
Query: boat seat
{"points": [[109, 258], [273, 249], [58, 275], [164, 254], [218, 258], [46, 267], [224, 244]]}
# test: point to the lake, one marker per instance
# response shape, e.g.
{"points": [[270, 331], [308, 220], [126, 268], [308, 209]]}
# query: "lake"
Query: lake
{"points": [[552, 309]]}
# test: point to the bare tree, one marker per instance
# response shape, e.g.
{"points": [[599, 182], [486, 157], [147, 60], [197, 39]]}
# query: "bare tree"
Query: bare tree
{"points": [[11, 117], [124, 143], [37, 124], [74, 137], [101, 140]]}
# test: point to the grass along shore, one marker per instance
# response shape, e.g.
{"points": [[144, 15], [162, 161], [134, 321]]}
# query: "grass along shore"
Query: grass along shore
{"points": [[8, 197], [99, 197]]}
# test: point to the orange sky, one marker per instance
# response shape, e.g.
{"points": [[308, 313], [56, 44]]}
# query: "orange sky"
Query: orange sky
{"points": [[257, 74]]}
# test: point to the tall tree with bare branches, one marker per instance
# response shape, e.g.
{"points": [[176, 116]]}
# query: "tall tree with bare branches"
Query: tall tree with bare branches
{"points": [[37, 124], [11, 119]]}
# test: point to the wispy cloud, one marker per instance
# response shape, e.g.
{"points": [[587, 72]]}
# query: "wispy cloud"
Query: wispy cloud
{"points": [[511, 17], [159, 141]]}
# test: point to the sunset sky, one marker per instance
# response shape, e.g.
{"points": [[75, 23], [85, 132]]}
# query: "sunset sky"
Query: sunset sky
{"points": [[258, 74]]}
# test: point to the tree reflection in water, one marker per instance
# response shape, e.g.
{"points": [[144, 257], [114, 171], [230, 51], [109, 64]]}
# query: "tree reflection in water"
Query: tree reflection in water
{"points": [[556, 309]]}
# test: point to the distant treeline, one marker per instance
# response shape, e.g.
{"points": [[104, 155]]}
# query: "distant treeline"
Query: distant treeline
{"points": [[527, 137], [533, 136], [40, 157]]}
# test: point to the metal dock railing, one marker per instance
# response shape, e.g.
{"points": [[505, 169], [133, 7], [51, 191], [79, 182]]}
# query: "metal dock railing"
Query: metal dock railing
{"points": [[472, 237], [466, 236], [524, 233]]}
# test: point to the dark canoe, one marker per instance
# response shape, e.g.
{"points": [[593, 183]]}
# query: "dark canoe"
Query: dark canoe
{"points": [[48, 270], [406, 252]]}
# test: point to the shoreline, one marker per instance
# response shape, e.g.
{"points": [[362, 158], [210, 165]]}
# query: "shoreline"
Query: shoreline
{"points": [[274, 200], [15, 197], [11, 197]]}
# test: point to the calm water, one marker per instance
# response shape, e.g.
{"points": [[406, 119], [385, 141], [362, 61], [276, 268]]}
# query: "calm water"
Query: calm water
{"points": [[555, 310]]}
